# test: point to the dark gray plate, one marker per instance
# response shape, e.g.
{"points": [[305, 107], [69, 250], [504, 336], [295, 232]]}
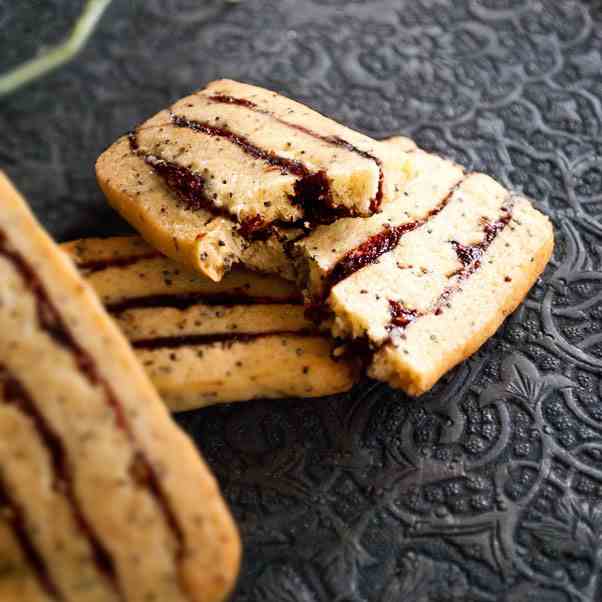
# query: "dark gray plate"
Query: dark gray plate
{"points": [[488, 488]]}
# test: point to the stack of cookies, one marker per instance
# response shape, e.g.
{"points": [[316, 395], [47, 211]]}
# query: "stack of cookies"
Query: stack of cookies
{"points": [[281, 254], [408, 262]]}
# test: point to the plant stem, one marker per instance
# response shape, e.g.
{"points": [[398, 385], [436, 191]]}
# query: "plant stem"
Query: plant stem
{"points": [[39, 66]]}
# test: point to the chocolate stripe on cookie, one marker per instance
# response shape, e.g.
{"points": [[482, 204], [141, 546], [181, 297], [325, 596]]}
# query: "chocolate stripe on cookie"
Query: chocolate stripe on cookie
{"points": [[50, 321], [186, 300], [470, 256], [98, 265], [332, 140], [384, 241], [228, 338], [13, 514], [289, 166], [14, 394], [188, 186]]}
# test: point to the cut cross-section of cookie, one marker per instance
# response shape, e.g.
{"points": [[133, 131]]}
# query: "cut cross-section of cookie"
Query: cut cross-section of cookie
{"points": [[204, 342], [442, 282], [234, 164], [103, 497]]}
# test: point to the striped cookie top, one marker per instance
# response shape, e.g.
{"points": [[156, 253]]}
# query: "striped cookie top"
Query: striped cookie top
{"points": [[394, 280], [204, 342], [205, 242], [80, 426], [261, 157]]}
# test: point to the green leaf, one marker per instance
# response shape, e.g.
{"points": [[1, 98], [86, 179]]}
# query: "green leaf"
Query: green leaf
{"points": [[57, 56]]}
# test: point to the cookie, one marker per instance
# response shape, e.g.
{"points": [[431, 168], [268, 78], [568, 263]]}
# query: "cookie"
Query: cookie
{"points": [[424, 288], [447, 286], [204, 342], [208, 243], [103, 497], [233, 165]]}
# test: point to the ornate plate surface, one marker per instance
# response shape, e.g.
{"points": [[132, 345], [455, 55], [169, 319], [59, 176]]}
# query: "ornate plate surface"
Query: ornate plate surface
{"points": [[488, 488]]}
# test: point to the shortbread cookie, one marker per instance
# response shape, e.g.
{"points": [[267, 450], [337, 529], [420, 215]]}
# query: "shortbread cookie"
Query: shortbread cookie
{"points": [[230, 173], [426, 287], [103, 498], [205, 342], [208, 243]]}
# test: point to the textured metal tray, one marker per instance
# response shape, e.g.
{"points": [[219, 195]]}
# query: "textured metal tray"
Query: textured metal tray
{"points": [[488, 488]]}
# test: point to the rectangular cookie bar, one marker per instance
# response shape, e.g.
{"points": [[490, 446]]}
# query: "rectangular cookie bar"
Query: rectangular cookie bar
{"points": [[208, 243], [227, 174], [204, 342], [424, 287], [103, 497]]}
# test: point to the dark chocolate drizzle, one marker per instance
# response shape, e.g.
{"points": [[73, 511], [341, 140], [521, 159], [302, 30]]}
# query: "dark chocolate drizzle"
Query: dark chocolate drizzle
{"points": [[470, 257], [286, 166], [186, 300], [14, 515], [400, 315], [15, 394], [51, 322], [98, 265], [188, 186], [255, 228], [312, 194], [47, 315], [375, 203], [466, 254], [228, 338], [231, 100], [384, 241]]}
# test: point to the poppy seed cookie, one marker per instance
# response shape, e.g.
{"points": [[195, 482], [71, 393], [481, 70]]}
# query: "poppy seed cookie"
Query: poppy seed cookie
{"points": [[233, 164], [204, 342], [103, 497], [433, 289]]}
